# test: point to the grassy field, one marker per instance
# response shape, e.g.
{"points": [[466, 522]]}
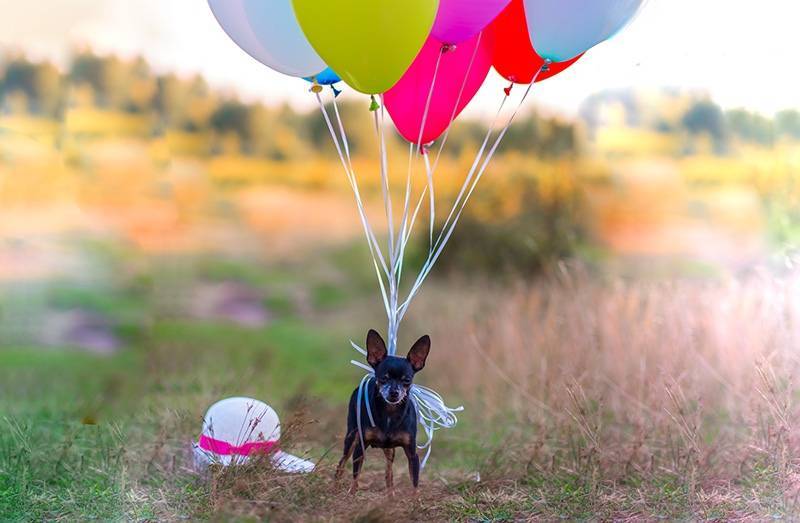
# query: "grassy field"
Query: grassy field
{"points": [[669, 395], [197, 247], [586, 398]]}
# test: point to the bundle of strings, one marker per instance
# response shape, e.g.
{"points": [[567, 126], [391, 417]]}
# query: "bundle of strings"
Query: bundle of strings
{"points": [[432, 412]]}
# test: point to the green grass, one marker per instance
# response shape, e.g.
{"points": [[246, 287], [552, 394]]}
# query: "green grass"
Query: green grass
{"points": [[86, 437], [69, 419], [89, 437]]}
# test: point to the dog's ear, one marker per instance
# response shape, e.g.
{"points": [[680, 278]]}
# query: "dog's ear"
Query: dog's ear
{"points": [[376, 348], [419, 353]]}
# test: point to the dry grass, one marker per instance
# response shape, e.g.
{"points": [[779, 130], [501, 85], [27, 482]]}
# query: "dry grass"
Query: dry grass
{"points": [[608, 400], [605, 400], [635, 391], [586, 399]]}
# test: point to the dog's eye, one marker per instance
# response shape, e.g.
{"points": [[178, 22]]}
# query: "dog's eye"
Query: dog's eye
{"points": [[406, 381]]}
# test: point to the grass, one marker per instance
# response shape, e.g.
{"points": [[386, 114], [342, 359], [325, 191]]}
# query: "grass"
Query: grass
{"points": [[586, 399]]}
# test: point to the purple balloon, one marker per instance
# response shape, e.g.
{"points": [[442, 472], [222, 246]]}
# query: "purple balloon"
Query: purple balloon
{"points": [[459, 20]]}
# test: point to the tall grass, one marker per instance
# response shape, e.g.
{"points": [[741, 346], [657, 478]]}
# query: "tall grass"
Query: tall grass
{"points": [[586, 398], [634, 392]]}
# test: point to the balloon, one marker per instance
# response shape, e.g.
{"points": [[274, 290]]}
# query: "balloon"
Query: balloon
{"points": [[369, 43], [268, 31], [460, 20], [563, 29], [326, 77], [407, 99], [514, 57]]}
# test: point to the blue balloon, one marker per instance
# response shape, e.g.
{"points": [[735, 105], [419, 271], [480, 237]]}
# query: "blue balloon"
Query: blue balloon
{"points": [[562, 29], [326, 77]]}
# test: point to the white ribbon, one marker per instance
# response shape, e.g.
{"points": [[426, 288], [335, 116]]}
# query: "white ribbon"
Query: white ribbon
{"points": [[432, 413]]}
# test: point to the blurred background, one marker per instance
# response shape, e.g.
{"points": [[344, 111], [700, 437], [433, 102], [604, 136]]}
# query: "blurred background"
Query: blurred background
{"points": [[175, 227]]}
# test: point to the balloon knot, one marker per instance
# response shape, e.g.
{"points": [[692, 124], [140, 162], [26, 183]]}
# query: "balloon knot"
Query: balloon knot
{"points": [[507, 90], [315, 88], [447, 48], [336, 92], [546, 65], [373, 104], [423, 150]]}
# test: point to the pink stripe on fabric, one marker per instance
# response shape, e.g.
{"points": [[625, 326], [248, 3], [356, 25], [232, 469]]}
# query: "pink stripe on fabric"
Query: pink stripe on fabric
{"points": [[223, 448]]}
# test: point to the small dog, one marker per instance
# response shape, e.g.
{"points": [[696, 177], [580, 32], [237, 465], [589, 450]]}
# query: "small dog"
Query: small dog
{"points": [[392, 409]]}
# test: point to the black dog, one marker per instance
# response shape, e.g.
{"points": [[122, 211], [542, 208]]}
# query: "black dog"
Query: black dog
{"points": [[392, 409]]}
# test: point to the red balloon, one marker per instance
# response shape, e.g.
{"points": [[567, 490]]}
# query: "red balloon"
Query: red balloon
{"points": [[514, 57]]}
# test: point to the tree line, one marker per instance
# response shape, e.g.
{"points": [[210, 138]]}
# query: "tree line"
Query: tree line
{"points": [[190, 105]]}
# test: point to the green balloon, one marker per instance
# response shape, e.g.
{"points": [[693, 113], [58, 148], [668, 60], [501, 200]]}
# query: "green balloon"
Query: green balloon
{"points": [[369, 43]]}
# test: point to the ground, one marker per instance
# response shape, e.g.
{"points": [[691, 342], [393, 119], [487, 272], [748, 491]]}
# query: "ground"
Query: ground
{"points": [[584, 400]]}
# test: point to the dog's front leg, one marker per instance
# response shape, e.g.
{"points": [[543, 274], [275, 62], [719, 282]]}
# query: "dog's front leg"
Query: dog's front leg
{"points": [[413, 464], [389, 453]]}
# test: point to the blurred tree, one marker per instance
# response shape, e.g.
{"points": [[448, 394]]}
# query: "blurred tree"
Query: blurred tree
{"points": [[750, 127], [594, 110], [787, 123], [358, 123], [232, 117], [263, 129], [102, 74], [547, 138], [141, 89], [516, 227], [706, 117], [41, 84], [185, 104]]}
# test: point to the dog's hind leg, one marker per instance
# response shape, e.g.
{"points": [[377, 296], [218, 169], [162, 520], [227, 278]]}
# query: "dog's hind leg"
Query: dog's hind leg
{"points": [[349, 445], [413, 464], [389, 453], [358, 460]]}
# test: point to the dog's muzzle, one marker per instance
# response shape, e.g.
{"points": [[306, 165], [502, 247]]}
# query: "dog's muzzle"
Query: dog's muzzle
{"points": [[392, 395]]}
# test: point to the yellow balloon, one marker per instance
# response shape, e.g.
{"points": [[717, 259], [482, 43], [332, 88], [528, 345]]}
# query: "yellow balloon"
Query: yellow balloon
{"points": [[369, 43]]}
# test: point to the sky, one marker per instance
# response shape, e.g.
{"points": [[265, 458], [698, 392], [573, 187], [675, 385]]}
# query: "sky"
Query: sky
{"points": [[738, 51]]}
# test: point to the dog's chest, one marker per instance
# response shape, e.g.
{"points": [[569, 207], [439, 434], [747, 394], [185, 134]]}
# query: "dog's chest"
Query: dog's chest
{"points": [[377, 437]]}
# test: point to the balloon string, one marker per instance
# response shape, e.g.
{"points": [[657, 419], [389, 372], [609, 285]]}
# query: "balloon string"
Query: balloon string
{"points": [[445, 234], [404, 229], [445, 136], [402, 234], [420, 147], [430, 96], [372, 242], [351, 176], [433, 202], [464, 186], [458, 99], [379, 120], [431, 411]]}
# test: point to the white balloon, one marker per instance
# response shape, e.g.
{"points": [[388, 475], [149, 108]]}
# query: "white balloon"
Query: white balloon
{"points": [[562, 29], [268, 31]]}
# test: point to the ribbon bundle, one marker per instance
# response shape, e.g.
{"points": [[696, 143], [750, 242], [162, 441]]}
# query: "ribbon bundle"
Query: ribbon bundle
{"points": [[432, 413]]}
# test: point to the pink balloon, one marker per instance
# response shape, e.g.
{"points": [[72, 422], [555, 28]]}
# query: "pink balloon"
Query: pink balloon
{"points": [[460, 20], [407, 99]]}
